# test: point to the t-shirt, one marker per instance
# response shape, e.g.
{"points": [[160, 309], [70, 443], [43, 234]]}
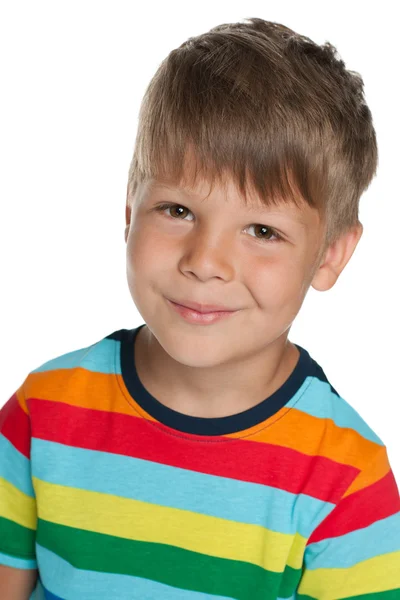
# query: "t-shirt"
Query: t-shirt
{"points": [[113, 495]]}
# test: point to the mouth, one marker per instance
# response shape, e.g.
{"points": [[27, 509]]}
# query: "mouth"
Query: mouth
{"points": [[200, 318], [202, 308]]}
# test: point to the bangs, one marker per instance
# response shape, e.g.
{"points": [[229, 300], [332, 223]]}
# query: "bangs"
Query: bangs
{"points": [[275, 176]]}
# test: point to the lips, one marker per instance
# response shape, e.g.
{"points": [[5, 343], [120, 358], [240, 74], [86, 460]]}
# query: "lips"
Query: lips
{"points": [[195, 317], [203, 308]]}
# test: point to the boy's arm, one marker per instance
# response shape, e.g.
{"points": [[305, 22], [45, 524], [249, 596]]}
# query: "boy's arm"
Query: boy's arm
{"points": [[355, 551], [18, 511], [17, 584]]}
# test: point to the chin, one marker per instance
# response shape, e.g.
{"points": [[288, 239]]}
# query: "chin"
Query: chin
{"points": [[196, 347]]}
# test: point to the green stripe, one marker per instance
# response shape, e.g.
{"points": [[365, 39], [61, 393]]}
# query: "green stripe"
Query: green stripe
{"points": [[164, 563], [17, 540]]}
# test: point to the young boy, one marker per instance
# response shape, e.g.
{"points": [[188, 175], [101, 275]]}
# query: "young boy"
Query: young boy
{"points": [[202, 454]]}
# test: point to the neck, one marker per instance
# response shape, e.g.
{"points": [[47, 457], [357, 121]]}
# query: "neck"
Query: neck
{"points": [[212, 392]]}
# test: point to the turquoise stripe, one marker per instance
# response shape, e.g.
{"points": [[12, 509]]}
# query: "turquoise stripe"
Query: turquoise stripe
{"points": [[17, 563], [321, 402], [164, 485], [98, 358], [346, 550], [15, 467], [50, 596], [61, 576]]}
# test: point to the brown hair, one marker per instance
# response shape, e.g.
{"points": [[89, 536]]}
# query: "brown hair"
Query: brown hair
{"points": [[267, 106]]}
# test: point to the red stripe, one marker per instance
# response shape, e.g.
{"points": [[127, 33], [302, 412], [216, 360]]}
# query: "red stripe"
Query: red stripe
{"points": [[377, 501], [15, 425], [245, 460]]}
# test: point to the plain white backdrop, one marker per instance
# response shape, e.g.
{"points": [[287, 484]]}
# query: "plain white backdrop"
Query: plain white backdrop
{"points": [[73, 74]]}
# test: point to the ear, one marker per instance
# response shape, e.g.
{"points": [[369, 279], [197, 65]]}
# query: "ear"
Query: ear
{"points": [[128, 213], [336, 258]]}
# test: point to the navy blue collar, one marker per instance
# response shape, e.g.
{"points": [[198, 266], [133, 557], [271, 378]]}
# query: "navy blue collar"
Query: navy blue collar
{"points": [[304, 368]]}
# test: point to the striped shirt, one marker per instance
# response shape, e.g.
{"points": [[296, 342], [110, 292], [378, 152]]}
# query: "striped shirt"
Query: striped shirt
{"points": [[111, 494]]}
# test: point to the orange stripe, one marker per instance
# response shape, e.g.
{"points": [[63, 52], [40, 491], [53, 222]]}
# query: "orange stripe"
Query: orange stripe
{"points": [[297, 430]]}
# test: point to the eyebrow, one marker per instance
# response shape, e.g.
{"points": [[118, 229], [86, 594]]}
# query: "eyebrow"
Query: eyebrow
{"points": [[264, 210]]}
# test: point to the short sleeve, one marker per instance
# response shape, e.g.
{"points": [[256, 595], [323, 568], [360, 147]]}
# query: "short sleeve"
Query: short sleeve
{"points": [[355, 551], [18, 516]]}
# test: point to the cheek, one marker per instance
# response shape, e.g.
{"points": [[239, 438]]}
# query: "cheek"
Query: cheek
{"points": [[136, 260], [144, 251], [139, 244], [277, 283]]}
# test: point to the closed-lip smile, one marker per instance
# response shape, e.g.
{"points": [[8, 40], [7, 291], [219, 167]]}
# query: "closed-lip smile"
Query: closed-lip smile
{"points": [[203, 308]]}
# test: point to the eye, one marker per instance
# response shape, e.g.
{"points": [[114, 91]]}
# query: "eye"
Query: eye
{"points": [[167, 206]]}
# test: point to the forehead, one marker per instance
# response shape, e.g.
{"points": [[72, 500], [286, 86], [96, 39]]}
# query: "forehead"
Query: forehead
{"points": [[300, 215]]}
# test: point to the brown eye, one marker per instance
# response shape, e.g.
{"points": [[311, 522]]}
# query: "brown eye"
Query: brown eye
{"points": [[264, 229], [177, 209]]}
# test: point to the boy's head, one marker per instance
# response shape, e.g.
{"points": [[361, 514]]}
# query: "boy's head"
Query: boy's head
{"points": [[247, 125]]}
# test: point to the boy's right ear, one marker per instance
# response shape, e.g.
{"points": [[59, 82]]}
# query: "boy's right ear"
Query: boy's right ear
{"points": [[128, 212]]}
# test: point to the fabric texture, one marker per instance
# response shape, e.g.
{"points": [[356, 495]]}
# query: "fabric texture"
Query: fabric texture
{"points": [[111, 494]]}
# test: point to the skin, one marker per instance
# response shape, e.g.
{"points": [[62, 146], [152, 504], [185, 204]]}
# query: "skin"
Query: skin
{"points": [[17, 584], [214, 252]]}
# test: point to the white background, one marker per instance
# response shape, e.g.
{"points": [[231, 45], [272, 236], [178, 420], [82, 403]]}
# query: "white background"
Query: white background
{"points": [[72, 77]]}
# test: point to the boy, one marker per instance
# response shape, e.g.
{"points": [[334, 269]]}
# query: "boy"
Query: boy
{"points": [[202, 454]]}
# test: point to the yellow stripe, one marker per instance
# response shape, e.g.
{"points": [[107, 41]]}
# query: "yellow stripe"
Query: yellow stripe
{"points": [[17, 506], [136, 520], [377, 574]]}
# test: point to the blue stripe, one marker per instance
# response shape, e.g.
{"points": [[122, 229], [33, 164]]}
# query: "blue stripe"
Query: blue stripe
{"points": [[321, 402], [62, 578], [346, 550], [177, 488], [17, 563], [15, 467], [98, 357]]}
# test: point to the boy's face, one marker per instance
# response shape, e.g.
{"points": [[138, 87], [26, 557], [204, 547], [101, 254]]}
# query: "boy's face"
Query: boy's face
{"points": [[215, 252]]}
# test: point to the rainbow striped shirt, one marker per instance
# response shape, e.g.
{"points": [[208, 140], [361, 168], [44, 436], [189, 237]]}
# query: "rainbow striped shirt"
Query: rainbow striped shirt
{"points": [[111, 494]]}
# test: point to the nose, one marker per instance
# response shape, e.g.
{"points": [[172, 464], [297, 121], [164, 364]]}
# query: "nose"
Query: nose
{"points": [[207, 254]]}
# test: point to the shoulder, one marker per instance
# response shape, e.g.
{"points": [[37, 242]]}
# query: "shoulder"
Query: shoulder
{"points": [[325, 402], [351, 460], [91, 356], [53, 378]]}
